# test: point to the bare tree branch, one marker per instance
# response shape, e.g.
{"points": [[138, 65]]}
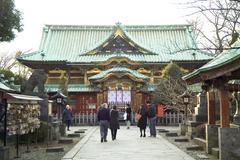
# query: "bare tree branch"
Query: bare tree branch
{"points": [[221, 15]]}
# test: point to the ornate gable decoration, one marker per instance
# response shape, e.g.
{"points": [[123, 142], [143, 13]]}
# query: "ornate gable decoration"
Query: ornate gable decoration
{"points": [[119, 42]]}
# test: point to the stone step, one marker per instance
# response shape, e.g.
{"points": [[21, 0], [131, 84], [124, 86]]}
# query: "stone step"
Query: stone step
{"points": [[202, 156], [79, 132], [194, 148], [181, 140], [163, 130], [55, 149], [65, 140], [73, 135], [171, 134], [215, 152], [201, 142]]}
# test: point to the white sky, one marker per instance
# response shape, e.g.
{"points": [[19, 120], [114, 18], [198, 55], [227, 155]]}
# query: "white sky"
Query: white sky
{"points": [[36, 13]]}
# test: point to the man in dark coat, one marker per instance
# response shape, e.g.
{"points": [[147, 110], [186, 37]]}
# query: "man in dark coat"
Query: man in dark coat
{"points": [[152, 118], [114, 124], [129, 112], [67, 116], [103, 118], [142, 122]]}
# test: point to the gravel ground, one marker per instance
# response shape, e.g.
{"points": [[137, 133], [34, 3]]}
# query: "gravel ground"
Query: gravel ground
{"points": [[183, 145], [38, 152]]}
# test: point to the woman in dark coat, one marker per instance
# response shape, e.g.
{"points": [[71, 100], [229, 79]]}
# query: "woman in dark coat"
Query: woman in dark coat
{"points": [[114, 124], [142, 122]]}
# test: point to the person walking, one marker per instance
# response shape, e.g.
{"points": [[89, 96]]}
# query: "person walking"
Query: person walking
{"points": [[142, 121], [128, 119], [103, 118], [67, 116], [152, 118], [114, 123]]}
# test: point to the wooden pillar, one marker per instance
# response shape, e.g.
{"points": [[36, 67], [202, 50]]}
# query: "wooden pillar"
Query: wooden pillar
{"points": [[85, 78], [224, 108], [211, 106], [152, 78], [105, 95], [99, 99]]}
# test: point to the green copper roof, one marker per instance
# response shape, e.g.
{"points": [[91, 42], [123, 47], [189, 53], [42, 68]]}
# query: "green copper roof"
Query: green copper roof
{"points": [[118, 70], [71, 43], [197, 87], [4, 87], [71, 88], [219, 61], [149, 88]]}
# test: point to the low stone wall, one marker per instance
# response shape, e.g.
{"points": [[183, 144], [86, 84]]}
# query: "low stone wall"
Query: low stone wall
{"points": [[4, 153], [229, 143], [211, 137]]}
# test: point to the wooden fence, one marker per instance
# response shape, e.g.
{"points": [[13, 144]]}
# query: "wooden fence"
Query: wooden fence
{"points": [[91, 119]]}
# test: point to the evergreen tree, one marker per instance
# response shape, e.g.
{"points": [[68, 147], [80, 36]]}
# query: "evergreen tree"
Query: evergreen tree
{"points": [[10, 20]]}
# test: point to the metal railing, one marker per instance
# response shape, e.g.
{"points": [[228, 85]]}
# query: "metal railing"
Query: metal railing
{"points": [[90, 118]]}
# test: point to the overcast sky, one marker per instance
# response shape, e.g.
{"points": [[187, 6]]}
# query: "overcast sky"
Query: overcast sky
{"points": [[36, 13]]}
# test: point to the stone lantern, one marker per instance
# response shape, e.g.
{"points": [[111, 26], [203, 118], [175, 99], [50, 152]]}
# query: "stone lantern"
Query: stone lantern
{"points": [[60, 100], [186, 100]]}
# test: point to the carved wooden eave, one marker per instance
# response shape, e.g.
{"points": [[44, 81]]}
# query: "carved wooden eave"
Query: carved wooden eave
{"points": [[119, 76], [94, 71], [118, 60], [143, 70]]}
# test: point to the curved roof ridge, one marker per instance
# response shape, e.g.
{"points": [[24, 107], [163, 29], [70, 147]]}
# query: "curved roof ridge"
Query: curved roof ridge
{"points": [[167, 26], [28, 54], [118, 69], [162, 27], [87, 27]]}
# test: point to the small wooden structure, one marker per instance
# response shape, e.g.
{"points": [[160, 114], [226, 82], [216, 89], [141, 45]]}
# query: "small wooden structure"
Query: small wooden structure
{"points": [[19, 114], [215, 76]]}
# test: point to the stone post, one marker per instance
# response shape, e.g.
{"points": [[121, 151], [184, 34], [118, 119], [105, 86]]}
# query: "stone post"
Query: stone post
{"points": [[211, 137], [55, 130], [62, 129], [201, 110], [229, 143]]}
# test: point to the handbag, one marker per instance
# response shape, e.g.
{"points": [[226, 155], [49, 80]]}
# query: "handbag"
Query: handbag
{"points": [[125, 116], [138, 116]]}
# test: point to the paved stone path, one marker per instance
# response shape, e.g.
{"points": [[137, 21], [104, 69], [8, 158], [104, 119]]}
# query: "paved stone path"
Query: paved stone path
{"points": [[127, 146]]}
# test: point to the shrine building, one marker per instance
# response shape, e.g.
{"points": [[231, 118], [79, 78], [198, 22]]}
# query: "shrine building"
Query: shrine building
{"points": [[117, 64]]}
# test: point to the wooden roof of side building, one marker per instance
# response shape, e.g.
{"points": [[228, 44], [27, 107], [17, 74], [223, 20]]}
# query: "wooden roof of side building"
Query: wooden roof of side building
{"points": [[225, 64]]}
